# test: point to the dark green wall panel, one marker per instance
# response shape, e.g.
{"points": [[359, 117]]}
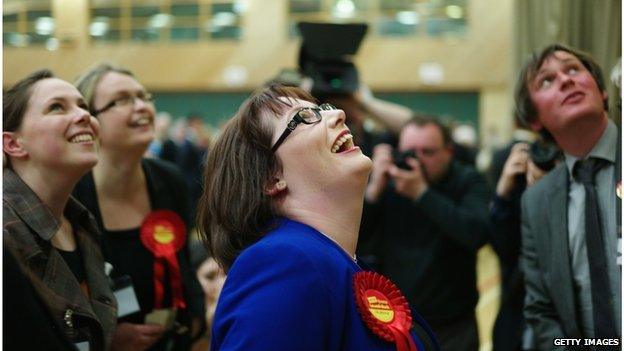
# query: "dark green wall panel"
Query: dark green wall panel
{"points": [[217, 107]]}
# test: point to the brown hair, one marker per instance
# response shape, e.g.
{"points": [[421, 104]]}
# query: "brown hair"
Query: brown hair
{"points": [[233, 211], [421, 120], [88, 81], [17, 97], [525, 109]]}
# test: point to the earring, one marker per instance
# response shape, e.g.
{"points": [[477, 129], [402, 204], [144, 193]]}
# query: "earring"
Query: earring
{"points": [[281, 185]]}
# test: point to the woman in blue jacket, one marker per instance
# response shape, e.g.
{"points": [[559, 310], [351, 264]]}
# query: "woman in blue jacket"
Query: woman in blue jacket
{"points": [[280, 212]]}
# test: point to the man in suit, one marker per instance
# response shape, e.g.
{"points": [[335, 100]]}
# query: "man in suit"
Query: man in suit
{"points": [[570, 228]]}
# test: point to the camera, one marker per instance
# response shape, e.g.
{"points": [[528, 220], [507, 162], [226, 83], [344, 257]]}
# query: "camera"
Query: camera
{"points": [[400, 158], [544, 154]]}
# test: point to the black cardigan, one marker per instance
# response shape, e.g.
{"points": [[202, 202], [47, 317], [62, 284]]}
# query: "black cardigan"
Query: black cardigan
{"points": [[167, 190]]}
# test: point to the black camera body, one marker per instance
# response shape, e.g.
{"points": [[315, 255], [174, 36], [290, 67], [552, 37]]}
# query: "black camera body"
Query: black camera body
{"points": [[544, 154], [400, 158]]}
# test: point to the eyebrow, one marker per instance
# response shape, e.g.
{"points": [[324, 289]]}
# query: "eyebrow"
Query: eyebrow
{"points": [[563, 61]]}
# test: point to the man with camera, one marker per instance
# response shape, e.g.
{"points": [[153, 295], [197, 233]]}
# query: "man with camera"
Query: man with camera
{"points": [[428, 216], [570, 224]]}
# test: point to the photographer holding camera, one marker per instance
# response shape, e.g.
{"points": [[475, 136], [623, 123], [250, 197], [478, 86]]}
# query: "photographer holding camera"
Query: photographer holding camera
{"points": [[429, 221], [524, 165]]}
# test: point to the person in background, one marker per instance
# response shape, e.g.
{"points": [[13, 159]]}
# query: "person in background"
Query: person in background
{"points": [[49, 142], [280, 213], [519, 172], [140, 206], [211, 278], [427, 217], [158, 146], [571, 230]]}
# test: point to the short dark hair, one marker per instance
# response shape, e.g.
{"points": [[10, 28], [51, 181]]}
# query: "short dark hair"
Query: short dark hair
{"points": [[422, 120], [89, 80], [17, 97], [234, 211], [525, 109]]}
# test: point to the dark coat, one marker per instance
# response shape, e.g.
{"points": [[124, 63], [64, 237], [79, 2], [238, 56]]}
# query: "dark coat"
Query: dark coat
{"points": [[28, 228]]}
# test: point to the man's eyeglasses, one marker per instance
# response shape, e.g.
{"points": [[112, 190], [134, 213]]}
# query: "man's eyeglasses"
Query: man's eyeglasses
{"points": [[124, 101], [305, 115]]}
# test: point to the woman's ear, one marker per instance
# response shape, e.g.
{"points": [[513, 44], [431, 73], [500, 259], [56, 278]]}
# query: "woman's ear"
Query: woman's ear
{"points": [[11, 146], [275, 187]]}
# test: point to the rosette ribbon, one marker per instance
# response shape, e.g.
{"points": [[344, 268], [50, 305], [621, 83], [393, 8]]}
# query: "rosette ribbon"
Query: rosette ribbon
{"points": [[384, 309], [163, 233]]}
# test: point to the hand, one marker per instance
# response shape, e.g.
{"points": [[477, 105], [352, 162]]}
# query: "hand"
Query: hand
{"points": [[534, 173], [382, 161], [136, 337], [363, 94], [409, 183], [515, 165]]}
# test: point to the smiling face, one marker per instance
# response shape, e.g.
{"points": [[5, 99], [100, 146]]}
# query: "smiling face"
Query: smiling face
{"points": [[57, 131], [565, 95], [317, 155], [124, 125]]}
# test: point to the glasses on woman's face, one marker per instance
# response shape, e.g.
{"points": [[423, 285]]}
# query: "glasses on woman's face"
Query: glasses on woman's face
{"points": [[305, 115], [125, 101]]}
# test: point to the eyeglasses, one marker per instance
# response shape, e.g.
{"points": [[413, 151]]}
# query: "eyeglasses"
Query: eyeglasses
{"points": [[124, 101], [305, 115]]}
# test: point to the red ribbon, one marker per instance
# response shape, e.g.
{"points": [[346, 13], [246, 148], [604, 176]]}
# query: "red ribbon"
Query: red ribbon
{"points": [[163, 233], [384, 309]]}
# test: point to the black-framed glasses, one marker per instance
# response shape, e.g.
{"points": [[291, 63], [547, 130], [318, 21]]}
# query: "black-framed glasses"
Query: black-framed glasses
{"points": [[305, 115], [124, 101]]}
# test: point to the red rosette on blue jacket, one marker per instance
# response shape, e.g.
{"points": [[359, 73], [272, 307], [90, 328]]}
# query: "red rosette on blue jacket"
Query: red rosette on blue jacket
{"points": [[384, 309], [163, 233]]}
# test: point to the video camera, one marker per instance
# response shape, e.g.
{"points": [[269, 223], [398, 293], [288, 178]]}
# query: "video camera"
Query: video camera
{"points": [[325, 56]]}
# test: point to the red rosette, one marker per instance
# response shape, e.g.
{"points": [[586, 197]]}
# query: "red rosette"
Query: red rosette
{"points": [[163, 233], [384, 309]]}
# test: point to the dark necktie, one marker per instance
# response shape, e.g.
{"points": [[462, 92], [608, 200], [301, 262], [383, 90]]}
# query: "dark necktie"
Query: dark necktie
{"points": [[604, 326]]}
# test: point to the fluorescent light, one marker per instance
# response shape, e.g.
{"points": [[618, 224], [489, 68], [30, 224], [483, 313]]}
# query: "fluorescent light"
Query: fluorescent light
{"points": [[343, 9], [44, 25], [161, 20], [99, 27], [52, 44], [19, 40], [410, 18], [454, 11]]}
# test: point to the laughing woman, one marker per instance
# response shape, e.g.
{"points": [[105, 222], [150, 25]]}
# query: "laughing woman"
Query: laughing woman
{"points": [[49, 142], [140, 206], [284, 189]]}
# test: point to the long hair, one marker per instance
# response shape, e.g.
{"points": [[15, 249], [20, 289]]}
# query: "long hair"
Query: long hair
{"points": [[234, 211]]}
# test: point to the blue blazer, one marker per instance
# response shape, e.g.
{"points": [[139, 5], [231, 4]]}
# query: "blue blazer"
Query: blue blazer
{"points": [[293, 290]]}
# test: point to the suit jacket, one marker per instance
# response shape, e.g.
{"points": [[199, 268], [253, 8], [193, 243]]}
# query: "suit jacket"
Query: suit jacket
{"points": [[28, 228], [549, 303]]}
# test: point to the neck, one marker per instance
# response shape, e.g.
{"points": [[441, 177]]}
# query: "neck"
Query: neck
{"points": [[337, 216], [53, 187], [118, 174], [579, 140]]}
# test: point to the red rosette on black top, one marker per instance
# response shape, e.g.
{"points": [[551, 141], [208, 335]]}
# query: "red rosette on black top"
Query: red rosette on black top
{"points": [[163, 233], [384, 309]]}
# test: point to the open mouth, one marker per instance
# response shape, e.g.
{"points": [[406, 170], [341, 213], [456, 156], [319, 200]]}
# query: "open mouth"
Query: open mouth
{"points": [[142, 121], [81, 138], [343, 143]]}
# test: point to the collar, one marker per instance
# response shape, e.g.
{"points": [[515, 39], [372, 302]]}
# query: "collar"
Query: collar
{"points": [[605, 148], [36, 214]]}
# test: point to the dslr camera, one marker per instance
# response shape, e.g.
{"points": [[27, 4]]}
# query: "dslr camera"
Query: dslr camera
{"points": [[400, 158], [544, 154]]}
